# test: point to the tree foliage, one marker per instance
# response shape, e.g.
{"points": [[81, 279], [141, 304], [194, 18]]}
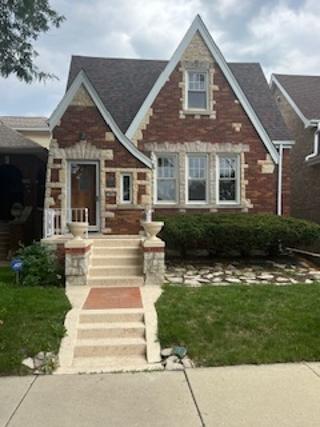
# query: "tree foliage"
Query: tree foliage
{"points": [[21, 23]]}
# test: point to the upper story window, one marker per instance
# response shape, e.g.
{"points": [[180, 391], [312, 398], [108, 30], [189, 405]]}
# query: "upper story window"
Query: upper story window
{"points": [[228, 179], [197, 178], [197, 96], [166, 185]]}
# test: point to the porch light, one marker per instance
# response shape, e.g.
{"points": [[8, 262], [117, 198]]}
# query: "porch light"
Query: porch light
{"points": [[82, 136]]}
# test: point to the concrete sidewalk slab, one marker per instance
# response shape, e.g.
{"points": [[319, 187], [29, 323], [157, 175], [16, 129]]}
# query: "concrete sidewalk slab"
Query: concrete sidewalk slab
{"points": [[144, 399], [286, 395], [12, 390]]}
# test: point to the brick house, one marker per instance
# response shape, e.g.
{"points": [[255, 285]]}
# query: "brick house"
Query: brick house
{"points": [[297, 97], [192, 134]]}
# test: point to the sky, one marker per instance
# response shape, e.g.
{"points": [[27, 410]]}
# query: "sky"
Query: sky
{"points": [[284, 36]]}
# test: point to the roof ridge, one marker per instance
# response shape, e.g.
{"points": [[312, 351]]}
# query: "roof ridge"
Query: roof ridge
{"points": [[296, 75], [119, 58]]}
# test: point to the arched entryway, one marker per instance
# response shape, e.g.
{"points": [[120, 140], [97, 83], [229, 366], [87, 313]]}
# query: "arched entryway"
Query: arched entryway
{"points": [[11, 190]]}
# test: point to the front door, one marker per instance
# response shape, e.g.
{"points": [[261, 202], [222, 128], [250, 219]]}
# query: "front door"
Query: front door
{"points": [[84, 191]]}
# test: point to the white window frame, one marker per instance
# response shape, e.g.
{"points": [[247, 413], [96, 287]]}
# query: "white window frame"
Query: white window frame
{"points": [[187, 90], [166, 202], [196, 202], [127, 202], [237, 179]]}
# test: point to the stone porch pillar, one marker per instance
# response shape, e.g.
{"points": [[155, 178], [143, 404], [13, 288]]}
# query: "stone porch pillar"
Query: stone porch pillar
{"points": [[77, 253], [153, 261]]}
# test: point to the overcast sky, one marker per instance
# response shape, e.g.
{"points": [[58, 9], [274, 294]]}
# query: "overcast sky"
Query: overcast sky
{"points": [[284, 36]]}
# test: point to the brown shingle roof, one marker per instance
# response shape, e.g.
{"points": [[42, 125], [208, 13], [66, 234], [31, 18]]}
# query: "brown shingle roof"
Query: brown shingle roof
{"points": [[12, 141], [304, 91], [123, 84], [20, 122]]}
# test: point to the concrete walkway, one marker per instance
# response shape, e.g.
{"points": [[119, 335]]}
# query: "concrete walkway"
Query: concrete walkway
{"points": [[271, 395]]}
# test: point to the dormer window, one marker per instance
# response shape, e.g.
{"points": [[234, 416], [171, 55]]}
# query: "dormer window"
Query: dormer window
{"points": [[197, 96]]}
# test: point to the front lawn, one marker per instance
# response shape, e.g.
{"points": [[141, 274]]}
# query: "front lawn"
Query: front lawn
{"points": [[31, 320], [242, 324]]}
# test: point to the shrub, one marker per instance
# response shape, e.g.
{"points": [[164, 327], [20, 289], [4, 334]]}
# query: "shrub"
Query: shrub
{"points": [[224, 234], [40, 266]]}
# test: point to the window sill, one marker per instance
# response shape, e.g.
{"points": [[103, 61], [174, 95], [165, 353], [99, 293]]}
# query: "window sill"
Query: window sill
{"points": [[198, 112]]}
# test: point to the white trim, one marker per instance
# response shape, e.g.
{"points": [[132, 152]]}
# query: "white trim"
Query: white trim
{"points": [[315, 152], [155, 197], [280, 171], [187, 158], [199, 26], [228, 203], [122, 201], [82, 79], [287, 143], [69, 195], [294, 106]]}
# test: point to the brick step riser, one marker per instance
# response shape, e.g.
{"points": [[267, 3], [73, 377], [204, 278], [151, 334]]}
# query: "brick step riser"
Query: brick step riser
{"points": [[114, 350], [114, 261], [115, 282], [120, 271], [111, 317], [111, 333]]}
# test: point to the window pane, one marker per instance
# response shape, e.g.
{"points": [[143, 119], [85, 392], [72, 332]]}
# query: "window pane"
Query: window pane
{"points": [[126, 188], [197, 190], [166, 167], [197, 81], [197, 100], [197, 167], [166, 190], [227, 190], [228, 167]]}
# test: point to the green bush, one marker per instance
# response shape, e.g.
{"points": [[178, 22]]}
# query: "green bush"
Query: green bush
{"points": [[224, 234], [40, 266]]}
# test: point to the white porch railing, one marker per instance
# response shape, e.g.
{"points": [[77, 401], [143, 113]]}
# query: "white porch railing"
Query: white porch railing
{"points": [[56, 220]]}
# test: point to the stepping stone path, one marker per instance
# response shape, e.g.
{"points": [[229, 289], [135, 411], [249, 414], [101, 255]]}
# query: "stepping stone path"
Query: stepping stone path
{"points": [[278, 273]]}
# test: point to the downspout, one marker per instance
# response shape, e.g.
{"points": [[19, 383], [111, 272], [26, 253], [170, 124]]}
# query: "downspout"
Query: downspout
{"points": [[315, 144], [280, 170]]}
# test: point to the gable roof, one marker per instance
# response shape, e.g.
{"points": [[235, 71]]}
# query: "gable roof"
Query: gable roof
{"points": [[128, 86], [82, 80], [302, 93], [12, 141], [26, 123]]}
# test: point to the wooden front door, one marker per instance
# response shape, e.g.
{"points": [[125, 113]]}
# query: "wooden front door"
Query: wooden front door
{"points": [[84, 189]]}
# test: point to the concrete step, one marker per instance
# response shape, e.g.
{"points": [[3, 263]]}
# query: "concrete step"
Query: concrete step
{"points": [[96, 364], [116, 281], [119, 271], [114, 316], [118, 251], [111, 330], [129, 260], [110, 347], [117, 242]]}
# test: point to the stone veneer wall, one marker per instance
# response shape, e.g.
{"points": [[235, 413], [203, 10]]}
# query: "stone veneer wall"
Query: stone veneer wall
{"points": [[100, 145], [225, 127]]}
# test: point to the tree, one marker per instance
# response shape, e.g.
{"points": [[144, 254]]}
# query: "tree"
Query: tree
{"points": [[21, 23]]}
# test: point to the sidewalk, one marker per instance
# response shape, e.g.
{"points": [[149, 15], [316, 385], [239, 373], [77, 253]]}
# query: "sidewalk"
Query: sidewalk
{"points": [[280, 395]]}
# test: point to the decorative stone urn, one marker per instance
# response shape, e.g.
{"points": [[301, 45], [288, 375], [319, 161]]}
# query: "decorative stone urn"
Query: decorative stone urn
{"points": [[78, 229], [152, 228]]}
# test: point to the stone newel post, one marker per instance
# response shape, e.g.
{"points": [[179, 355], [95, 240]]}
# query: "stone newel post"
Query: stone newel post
{"points": [[153, 254], [77, 253]]}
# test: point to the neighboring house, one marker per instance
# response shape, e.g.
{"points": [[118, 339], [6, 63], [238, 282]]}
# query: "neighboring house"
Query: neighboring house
{"points": [[298, 100], [22, 182], [193, 134], [34, 128]]}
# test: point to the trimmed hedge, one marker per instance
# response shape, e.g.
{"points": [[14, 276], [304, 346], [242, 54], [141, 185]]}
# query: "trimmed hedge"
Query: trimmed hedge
{"points": [[225, 234]]}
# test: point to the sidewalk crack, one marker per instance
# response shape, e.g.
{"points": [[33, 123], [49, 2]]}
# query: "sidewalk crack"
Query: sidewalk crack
{"points": [[21, 401], [311, 369], [194, 399]]}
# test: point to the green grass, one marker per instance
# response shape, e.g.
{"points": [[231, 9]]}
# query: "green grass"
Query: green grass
{"points": [[31, 320], [242, 324]]}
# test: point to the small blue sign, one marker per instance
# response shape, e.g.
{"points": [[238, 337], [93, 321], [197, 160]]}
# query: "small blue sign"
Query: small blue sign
{"points": [[16, 264]]}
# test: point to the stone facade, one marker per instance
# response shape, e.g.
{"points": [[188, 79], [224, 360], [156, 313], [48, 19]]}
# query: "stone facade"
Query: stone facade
{"points": [[225, 128], [154, 263], [83, 120], [77, 257], [305, 191]]}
